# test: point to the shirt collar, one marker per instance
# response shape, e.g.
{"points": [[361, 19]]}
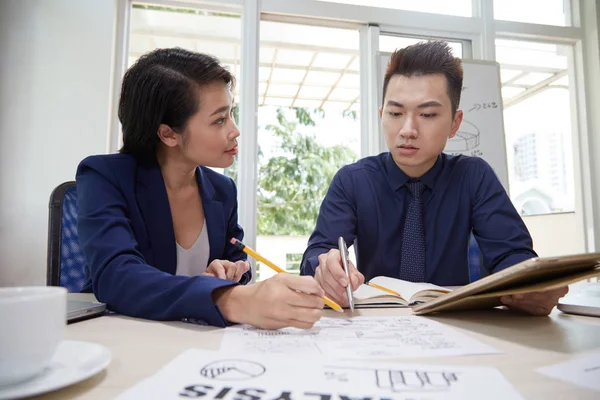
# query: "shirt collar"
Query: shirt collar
{"points": [[397, 178]]}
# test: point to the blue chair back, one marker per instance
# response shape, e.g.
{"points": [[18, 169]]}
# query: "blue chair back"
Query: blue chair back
{"points": [[474, 259], [66, 263]]}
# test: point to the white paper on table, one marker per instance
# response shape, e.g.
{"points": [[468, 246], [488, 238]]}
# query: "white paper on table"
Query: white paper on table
{"points": [[584, 371], [358, 337], [227, 376]]}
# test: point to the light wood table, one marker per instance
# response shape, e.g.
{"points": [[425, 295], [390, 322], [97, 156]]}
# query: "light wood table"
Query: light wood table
{"points": [[140, 348]]}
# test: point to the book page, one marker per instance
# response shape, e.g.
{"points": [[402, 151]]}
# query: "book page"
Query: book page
{"points": [[365, 292], [357, 338], [405, 288], [228, 376]]}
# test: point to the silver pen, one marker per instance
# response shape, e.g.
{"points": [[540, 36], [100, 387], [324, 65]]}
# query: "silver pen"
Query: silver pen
{"points": [[344, 253]]}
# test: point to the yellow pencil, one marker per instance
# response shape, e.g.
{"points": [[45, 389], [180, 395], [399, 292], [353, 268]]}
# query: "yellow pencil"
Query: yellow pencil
{"points": [[384, 289], [335, 306]]}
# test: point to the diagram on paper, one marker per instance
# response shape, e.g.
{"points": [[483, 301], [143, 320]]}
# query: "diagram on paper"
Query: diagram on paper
{"points": [[232, 370], [398, 381], [359, 337], [466, 139], [225, 375], [395, 380]]}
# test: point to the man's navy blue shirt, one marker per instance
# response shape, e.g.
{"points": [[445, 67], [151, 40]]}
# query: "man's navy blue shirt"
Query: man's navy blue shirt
{"points": [[367, 203]]}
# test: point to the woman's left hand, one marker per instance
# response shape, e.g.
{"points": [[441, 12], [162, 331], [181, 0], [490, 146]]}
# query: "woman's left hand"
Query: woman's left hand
{"points": [[227, 269]]}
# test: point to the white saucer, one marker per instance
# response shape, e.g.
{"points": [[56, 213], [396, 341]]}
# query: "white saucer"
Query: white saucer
{"points": [[73, 362]]}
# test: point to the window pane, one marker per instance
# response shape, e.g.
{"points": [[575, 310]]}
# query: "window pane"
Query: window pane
{"points": [[292, 263], [219, 34], [389, 44], [547, 12], [535, 85], [309, 127], [463, 8]]}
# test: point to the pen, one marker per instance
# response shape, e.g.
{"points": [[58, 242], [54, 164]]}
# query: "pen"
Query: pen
{"points": [[241, 246], [344, 252]]}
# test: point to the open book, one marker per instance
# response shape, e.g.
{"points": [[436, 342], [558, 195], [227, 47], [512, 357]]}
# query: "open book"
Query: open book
{"points": [[374, 294], [533, 275]]}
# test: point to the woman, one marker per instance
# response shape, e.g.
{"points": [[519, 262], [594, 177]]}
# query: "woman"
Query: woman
{"points": [[155, 227]]}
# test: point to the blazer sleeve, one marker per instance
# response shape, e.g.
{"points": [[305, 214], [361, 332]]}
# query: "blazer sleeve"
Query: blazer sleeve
{"points": [[234, 230], [337, 217], [120, 276]]}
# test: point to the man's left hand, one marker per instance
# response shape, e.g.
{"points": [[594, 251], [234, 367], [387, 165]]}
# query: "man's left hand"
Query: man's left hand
{"points": [[535, 303]]}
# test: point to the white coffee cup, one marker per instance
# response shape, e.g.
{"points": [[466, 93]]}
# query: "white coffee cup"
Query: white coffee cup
{"points": [[32, 325]]}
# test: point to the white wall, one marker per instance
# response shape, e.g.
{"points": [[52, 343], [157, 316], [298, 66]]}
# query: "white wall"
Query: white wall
{"points": [[55, 81], [555, 234]]}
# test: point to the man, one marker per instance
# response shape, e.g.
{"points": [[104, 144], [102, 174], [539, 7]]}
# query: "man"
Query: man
{"points": [[410, 211]]}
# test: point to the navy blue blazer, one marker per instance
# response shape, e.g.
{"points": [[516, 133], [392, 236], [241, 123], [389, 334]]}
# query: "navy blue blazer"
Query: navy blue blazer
{"points": [[126, 233]]}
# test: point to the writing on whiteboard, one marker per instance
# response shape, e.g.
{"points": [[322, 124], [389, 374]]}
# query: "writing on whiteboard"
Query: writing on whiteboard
{"points": [[483, 106]]}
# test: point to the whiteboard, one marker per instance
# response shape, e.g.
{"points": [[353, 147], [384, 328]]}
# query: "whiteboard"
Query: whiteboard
{"points": [[481, 133]]}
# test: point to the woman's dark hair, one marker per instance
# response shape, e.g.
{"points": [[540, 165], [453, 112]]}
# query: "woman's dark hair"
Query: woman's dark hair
{"points": [[162, 88], [427, 58]]}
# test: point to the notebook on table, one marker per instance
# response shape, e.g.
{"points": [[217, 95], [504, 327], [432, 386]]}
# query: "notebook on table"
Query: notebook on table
{"points": [[533, 275], [384, 292]]}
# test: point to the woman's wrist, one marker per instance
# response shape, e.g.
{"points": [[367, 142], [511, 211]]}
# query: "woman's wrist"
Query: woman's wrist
{"points": [[230, 301]]}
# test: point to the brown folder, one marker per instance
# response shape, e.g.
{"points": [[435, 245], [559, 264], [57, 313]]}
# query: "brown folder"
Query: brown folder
{"points": [[533, 275]]}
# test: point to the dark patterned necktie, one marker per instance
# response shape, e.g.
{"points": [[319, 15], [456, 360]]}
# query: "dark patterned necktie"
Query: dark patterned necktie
{"points": [[412, 264]]}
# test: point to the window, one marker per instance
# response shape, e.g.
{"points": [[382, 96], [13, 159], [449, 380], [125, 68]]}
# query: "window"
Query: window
{"points": [[535, 85], [217, 34], [308, 117], [292, 263], [462, 8], [547, 12]]}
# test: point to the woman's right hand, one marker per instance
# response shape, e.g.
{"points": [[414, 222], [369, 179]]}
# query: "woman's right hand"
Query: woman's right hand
{"points": [[278, 302], [227, 269]]}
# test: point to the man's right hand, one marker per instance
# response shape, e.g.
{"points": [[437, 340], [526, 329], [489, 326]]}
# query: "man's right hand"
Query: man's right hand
{"points": [[332, 278], [278, 302]]}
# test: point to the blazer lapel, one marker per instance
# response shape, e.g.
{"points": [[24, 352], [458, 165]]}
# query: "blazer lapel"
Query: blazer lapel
{"points": [[154, 205], [213, 213]]}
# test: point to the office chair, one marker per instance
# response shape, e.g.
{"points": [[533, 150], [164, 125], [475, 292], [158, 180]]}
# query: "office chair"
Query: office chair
{"points": [[66, 263], [475, 260]]}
